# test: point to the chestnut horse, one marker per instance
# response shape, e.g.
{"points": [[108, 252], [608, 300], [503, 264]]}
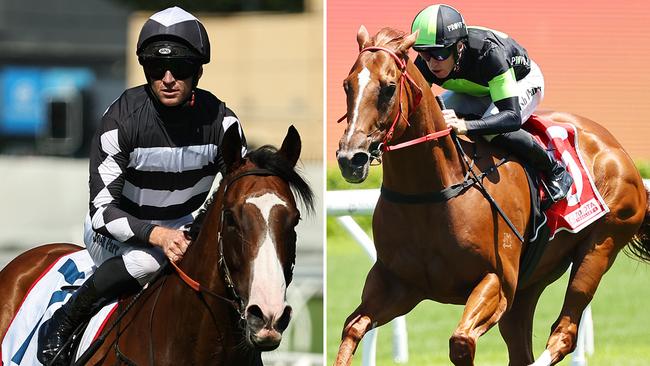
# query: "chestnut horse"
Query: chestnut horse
{"points": [[460, 250], [245, 239]]}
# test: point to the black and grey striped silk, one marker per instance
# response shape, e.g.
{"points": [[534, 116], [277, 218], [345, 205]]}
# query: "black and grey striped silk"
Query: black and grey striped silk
{"points": [[151, 163]]}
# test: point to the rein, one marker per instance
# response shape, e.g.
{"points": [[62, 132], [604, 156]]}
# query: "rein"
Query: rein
{"points": [[236, 301], [471, 178], [449, 192], [404, 77]]}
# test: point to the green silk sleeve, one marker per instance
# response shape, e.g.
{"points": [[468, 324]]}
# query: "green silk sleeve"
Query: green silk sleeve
{"points": [[503, 86]]}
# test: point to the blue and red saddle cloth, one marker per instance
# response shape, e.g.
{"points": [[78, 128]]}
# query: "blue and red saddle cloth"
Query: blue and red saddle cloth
{"points": [[45, 296]]}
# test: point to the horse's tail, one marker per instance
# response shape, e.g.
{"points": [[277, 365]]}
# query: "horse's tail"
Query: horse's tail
{"points": [[639, 247]]}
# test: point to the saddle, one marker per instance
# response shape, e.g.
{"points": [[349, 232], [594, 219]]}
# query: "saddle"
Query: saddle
{"points": [[583, 205]]}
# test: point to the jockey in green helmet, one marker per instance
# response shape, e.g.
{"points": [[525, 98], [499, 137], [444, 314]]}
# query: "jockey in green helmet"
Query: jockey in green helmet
{"points": [[489, 76]]}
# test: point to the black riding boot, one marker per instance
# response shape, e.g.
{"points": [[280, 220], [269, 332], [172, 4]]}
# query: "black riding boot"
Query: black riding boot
{"points": [[557, 180], [108, 282], [56, 331]]}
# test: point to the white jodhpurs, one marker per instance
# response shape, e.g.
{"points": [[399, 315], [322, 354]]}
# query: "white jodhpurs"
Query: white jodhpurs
{"points": [[531, 93], [141, 261]]}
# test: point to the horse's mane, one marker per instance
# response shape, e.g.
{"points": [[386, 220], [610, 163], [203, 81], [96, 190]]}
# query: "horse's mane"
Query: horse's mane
{"points": [[266, 157], [386, 36]]}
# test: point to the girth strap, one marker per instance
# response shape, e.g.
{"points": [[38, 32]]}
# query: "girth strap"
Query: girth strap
{"points": [[427, 197], [446, 194]]}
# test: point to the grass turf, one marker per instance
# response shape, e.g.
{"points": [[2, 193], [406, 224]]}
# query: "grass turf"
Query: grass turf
{"points": [[620, 312]]}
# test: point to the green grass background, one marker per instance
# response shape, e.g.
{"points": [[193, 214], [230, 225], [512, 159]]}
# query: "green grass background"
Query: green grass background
{"points": [[621, 310]]}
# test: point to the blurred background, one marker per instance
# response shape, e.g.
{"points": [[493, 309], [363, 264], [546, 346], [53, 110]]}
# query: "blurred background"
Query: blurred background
{"points": [[593, 56], [63, 63]]}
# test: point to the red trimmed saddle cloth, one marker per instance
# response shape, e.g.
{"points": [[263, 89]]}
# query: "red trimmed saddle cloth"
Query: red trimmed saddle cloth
{"points": [[584, 204]]}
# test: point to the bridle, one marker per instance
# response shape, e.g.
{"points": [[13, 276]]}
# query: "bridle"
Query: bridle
{"points": [[417, 97], [235, 300]]}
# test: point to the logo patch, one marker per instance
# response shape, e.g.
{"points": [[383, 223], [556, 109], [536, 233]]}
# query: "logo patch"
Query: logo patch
{"points": [[164, 51], [454, 26]]}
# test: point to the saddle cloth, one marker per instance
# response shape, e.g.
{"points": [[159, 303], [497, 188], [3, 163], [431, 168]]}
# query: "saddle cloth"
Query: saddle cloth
{"points": [[584, 204], [45, 296]]}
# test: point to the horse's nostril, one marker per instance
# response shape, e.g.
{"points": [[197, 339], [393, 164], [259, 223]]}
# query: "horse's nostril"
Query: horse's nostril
{"points": [[254, 312], [360, 159], [283, 322]]}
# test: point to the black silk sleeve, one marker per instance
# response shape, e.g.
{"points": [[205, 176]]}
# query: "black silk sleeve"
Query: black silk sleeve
{"points": [[508, 119]]}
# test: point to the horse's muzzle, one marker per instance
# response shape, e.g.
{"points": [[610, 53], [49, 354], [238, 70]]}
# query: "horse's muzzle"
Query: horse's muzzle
{"points": [[353, 165], [266, 332]]}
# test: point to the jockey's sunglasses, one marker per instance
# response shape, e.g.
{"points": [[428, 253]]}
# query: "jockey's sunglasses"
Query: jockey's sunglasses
{"points": [[180, 69], [437, 53]]}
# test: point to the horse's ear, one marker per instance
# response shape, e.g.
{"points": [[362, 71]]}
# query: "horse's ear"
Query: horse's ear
{"points": [[362, 37], [291, 146], [408, 42], [231, 147]]}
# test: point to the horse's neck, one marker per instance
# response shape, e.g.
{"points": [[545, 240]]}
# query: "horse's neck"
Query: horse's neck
{"points": [[201, 263], [202, 256], [202, 322], [426, 166]]}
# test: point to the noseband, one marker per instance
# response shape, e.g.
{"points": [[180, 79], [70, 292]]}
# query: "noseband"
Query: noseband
{"points": [[236, 301]]}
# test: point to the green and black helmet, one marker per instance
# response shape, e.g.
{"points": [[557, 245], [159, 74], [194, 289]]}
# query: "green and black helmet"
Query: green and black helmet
{"points": [[173, 33], [440, 26]]}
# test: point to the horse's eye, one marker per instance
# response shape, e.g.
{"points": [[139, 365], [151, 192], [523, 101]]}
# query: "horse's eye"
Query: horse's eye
{"points": [[388, 90]]}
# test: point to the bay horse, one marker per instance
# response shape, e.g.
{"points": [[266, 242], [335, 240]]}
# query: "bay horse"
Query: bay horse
{"points": [[460, 250], [242, 258]]}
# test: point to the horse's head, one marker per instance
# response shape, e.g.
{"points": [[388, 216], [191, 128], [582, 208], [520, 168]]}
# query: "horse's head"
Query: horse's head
{"points": [[377, 100], [258, 238]]}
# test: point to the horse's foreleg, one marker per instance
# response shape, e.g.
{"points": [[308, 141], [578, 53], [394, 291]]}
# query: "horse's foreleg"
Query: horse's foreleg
{"points": [[586, 274], [516, 325], [354, 330], [484, 308], [384, 298]]}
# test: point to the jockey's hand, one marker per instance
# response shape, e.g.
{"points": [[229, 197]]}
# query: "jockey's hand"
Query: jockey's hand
{"points": [[173, 242], [455, 123]]}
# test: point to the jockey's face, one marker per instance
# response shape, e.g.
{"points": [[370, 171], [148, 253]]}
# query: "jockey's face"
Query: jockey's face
{"points": [[171, 91], [441, 69]]}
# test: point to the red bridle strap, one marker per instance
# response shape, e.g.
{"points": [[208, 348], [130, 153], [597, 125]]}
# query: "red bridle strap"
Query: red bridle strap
{"points": [[196, 286], [432, 136], [417, 97], [187, 279], [401, 64]]}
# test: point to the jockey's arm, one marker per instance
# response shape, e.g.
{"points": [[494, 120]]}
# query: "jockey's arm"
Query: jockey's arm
{"points": [[109, 159], [508, 119], [503, 88]]}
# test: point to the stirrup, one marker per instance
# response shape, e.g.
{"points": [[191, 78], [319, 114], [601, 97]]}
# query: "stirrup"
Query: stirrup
{"points": [[557, 190]]}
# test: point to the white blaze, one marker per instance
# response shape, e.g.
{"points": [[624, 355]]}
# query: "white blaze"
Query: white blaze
{"points": [[268, 285], [364, 78]]}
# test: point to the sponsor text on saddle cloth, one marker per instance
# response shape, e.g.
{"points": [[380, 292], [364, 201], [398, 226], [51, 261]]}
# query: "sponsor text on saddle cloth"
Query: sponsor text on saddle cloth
{"points": [[46, 295], [584, 203]]}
